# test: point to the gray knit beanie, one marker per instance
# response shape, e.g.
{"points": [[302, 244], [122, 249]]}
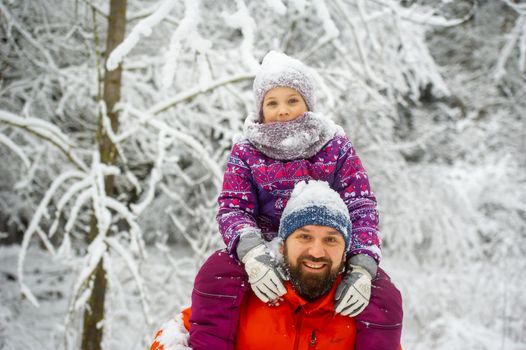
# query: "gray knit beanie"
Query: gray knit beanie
{"points": [[278, 69]]}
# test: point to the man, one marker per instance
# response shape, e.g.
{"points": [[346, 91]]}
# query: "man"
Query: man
{"points": [[315, 231], [315, 228]]}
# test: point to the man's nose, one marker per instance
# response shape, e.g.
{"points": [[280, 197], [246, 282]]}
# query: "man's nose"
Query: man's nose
{"points": [[317, 250]]}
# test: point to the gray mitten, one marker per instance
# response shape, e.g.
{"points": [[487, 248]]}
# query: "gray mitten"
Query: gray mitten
{"points": [[354, 291], [263, 273]]}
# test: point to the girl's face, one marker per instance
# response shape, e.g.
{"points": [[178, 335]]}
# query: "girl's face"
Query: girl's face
{"points": [[282, 104]]}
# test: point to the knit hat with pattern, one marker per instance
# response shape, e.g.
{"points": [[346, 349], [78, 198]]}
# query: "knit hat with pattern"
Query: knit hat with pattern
{"points": [[315, 203], [278, 69]]}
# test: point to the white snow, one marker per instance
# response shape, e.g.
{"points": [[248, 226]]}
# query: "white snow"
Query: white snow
{"points": [[46, 130], [174, 336], [331, 31], [313, 193], [277, 6], [166, 281], [187, 30], [518, 33], [156, 174], [243, 20], [18, 151], [275, 63], [437, 118], [141, 29]]}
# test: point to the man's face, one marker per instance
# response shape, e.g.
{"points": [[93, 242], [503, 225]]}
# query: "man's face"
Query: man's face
{"points": [[314, 256]]}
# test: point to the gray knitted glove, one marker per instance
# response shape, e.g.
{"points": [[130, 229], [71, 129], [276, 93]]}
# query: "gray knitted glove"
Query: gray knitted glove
{"points": [[354, 291], [263, 273]]}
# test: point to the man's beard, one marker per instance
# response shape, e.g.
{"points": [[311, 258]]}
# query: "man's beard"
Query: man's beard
{"points": [[311, 286]]}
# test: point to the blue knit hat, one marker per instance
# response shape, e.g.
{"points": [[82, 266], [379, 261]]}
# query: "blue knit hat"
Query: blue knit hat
{"points": [[315, 203]]}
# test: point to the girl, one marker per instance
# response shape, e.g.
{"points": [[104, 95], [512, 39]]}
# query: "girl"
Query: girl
{"points": [[287, 142]]}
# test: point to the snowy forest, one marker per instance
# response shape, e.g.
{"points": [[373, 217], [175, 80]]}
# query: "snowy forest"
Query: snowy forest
{"points": [[116, 119]]}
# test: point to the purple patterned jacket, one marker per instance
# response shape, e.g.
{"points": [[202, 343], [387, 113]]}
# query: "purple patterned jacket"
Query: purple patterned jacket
{"points": [[256, 189]]}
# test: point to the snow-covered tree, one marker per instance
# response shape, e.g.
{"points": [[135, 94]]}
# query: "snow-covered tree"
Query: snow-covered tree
{"points": [[100, 182]]}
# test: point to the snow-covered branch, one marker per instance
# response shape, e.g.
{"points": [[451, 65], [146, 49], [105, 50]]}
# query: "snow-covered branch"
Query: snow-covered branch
{"points": [[82, 288], [137, 241], [33, 227], [45, 131], [12, 22], [517, 34], [141, 29], [191, 93], [520, 8], [186, 31], [441, 142], [17, 150], [134, 269], [155, 175], [244, 21], [96, 8]]}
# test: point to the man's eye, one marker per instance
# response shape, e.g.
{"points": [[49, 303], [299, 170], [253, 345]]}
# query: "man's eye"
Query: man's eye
{"points": [[304, 237]]}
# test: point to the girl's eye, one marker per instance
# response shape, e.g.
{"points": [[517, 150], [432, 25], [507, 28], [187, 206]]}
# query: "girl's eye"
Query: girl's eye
{"points": [[293, 100], [271, 103]]}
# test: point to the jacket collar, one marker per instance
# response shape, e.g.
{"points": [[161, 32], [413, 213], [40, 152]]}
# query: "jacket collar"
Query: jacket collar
{"points": [[323, 303]]}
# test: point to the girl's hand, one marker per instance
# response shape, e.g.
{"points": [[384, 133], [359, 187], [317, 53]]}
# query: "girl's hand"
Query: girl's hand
{"points": [[263, 274], [354, 292]]}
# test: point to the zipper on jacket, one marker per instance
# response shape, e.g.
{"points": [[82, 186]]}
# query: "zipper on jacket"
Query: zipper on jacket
{"points": [[298, 327], [313, 339]]}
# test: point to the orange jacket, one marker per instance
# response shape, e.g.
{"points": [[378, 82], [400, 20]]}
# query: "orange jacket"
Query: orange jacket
{"points": [[294, 324]]}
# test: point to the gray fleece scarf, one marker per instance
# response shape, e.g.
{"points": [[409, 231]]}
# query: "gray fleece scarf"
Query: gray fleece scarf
{"points": [[301, 138]]}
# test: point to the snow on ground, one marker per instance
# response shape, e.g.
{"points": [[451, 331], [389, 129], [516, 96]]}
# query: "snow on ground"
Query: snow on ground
{"points": [[460, 307], [445, 309], [22, 326]]}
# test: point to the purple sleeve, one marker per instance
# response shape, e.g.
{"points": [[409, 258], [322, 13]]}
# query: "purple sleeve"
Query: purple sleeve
{"points": [[352, 182], [237, 200]]}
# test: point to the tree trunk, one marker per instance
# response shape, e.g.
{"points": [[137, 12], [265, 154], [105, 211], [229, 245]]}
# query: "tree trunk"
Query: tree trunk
{"points": [[94, 313]]}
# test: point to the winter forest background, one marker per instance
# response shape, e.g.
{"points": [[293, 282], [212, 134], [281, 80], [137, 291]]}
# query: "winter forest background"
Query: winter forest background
{"points": [[115, 123]]}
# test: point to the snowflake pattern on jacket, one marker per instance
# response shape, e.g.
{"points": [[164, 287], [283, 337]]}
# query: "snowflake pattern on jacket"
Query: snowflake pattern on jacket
{"points": [[256, 189]]}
